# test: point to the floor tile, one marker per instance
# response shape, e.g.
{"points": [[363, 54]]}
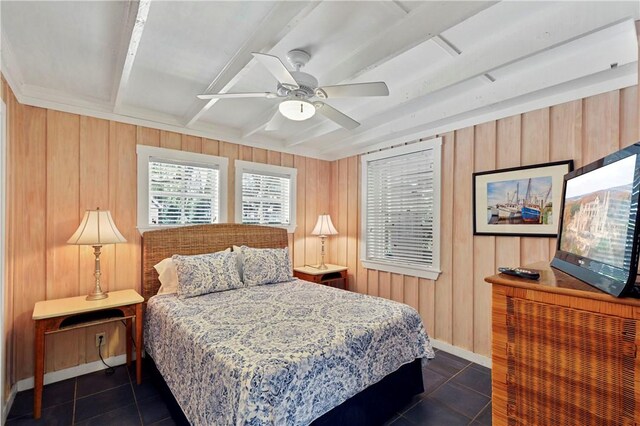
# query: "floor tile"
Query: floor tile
{"points": [[474, 379], [153, 410], [53, 394], [431, 380], [431, 412], [58, 415], [481, 368], [484, 418], [145, 390], [391, 420], [102, 402], [401, 421], [123, 416], [461, 399], [446, 365], [99, 381]]}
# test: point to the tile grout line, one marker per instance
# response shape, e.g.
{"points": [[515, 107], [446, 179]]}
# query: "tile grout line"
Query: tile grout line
{"points": [[135, 397], [75, 394], [452, 408], [481, 411], [401, 414]]}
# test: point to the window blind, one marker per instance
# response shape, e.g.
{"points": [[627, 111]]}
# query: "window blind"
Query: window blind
{"points": [[400, 209], [181, 193], [265, 199]]}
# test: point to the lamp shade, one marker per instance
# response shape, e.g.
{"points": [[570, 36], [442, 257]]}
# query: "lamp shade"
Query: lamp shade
{"points": [[324, 226], [97, 228], [297, 110]]}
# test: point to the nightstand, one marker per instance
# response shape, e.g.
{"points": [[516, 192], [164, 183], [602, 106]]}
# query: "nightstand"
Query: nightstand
{"points": [[334, 274], [55, 316]]}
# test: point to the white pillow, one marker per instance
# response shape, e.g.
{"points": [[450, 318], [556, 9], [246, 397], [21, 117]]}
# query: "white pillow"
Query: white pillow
{"points": [[168, 276]]}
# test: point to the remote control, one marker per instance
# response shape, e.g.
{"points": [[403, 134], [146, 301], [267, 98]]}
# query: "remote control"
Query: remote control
{"points": [[520, 272]]}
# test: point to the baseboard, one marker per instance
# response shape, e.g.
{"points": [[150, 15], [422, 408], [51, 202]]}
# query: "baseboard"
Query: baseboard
{"points": [[6, 406], [78, 370], [462, 353]]}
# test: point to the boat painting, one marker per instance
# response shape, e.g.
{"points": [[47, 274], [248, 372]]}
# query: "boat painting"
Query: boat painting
{"points": [[508, 204]]}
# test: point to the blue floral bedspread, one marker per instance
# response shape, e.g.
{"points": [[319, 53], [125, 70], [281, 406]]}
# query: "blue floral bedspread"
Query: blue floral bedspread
{"points": [[279, 354]]}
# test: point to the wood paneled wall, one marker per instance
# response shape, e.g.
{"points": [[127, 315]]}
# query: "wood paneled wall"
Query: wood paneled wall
{"points": [[62, 164], [456, 308]]}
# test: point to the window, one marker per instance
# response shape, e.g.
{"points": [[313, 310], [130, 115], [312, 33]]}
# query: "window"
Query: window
{"points": [[178, 188], [401, 209], [266, 195]]}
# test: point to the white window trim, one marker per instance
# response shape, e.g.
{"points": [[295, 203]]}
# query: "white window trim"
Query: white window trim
{"points": [[248, 166], [146, 152], [411, 270]]}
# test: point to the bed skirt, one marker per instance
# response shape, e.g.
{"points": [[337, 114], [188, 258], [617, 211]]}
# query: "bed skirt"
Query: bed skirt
{"points": [[373, 406]]}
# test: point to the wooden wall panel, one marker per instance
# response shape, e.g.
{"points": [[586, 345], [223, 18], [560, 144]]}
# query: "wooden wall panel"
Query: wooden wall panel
{"points": [[444, 288], [62, 219], [456, 307], [28, 206], [311, 248], [299, 236], [484, 247], [463, 240], [62, 164]]}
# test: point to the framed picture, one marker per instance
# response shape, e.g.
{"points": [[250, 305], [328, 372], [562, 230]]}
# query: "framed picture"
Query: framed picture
{"points": [[521, 201]]}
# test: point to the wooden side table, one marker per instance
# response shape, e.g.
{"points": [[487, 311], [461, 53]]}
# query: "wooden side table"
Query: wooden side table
{"points": [[54, 316], [330, 276]]}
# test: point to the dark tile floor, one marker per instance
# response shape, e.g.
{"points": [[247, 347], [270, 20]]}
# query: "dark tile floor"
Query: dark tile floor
{"points": [[457, 392]]}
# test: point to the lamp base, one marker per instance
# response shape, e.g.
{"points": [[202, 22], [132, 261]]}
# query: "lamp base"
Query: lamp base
{"points": [[322, 266], [97, 296]]}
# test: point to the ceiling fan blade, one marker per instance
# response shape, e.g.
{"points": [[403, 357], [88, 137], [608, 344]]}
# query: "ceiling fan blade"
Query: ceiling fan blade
{"points": [[334, 115], [378, 88], [275, 123], [275, 66], [267, 95]]}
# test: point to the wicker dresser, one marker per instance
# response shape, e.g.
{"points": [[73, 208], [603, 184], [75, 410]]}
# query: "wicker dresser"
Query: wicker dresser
{"points": [[564, 353]]}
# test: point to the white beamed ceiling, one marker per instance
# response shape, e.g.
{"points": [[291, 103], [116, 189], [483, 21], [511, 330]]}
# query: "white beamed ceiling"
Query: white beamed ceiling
{"points": [[144, 63]]}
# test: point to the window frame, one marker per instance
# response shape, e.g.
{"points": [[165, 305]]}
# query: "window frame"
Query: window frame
{"points": [[423, 272], [145, 153], [249, 166]]}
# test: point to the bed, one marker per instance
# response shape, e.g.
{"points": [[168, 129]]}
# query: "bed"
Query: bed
{"points": [[285, 353]]}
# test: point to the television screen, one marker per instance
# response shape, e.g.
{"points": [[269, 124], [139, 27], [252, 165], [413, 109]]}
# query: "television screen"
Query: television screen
{"points": [[598, 233]]}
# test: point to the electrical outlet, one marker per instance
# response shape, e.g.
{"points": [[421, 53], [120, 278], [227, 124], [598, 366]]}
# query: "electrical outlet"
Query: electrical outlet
{"points": [[104, 339]]}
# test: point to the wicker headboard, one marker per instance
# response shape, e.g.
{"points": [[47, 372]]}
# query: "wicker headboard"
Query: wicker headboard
{"points": [[198, 239]]}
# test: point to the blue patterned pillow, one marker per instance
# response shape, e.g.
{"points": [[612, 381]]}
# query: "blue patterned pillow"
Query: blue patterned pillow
{"points": [[206, 273], [265, 266]]}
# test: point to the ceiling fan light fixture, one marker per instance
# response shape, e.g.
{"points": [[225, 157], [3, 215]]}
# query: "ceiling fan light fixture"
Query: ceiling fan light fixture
{"points": [[297, 110]]}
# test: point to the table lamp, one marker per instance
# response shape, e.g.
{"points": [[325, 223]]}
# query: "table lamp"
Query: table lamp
{"points": [[96, 229], [324, 228]]}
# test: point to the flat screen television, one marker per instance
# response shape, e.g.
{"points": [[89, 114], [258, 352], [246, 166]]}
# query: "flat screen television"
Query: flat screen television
{"points": [[598, 234]]}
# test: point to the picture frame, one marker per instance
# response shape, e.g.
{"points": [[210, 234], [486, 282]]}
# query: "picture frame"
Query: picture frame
{"points": [[520, 201]]}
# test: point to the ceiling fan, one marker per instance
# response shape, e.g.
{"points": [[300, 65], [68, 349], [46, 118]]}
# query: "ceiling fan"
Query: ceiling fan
{"points": [[301, 96]]}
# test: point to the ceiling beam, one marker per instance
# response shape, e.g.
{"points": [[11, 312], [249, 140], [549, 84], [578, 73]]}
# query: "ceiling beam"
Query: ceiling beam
{"points": [[580, 58], [450, 49], [522, 39], [415, 27], [282, 18], [136, 18], [262, 121]]}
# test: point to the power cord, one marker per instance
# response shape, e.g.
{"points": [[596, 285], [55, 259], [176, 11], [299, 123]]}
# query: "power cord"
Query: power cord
{"points": [[110, 370]]}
